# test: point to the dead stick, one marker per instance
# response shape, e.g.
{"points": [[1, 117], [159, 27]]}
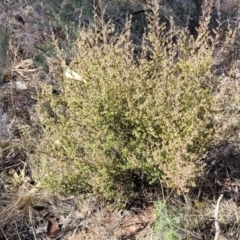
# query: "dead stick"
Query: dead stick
{"points": [[216, 218]]}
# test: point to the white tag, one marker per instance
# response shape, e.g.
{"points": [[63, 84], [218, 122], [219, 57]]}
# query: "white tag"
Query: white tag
{"points": [[73, 75]]}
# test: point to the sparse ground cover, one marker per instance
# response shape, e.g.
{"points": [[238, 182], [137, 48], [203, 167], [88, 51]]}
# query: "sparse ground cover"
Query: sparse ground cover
{"points": [[142, 143]]}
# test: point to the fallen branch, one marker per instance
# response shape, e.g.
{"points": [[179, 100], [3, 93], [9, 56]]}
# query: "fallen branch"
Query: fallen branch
{"points": [[216, 218]]}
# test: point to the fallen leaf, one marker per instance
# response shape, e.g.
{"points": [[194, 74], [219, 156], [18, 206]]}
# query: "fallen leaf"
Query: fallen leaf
{"points": [[52, 228]]}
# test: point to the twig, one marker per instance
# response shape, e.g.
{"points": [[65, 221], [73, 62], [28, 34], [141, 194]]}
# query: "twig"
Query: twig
{"points": [[216, 218]]}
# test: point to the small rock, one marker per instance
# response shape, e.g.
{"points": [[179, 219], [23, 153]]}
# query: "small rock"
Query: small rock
{"points": [[237, 75], [20, 85]]}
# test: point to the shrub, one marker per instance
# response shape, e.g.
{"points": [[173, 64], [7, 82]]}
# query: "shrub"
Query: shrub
{"points": [[4, 44], [145, 116], [166, 226]]}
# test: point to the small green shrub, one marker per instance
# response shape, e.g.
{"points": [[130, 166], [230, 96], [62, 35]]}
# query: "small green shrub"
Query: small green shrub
{"points": [[4, 44], [166, 225], [41, 61], [145, 118]]}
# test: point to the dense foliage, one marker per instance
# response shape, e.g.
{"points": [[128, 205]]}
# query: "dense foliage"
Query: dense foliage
{"points": [[144, 116]]}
